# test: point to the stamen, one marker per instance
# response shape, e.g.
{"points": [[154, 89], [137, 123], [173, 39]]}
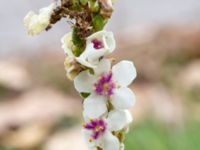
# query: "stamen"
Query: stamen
{"points": [[97, 44], [98, 128], [105, 85]]}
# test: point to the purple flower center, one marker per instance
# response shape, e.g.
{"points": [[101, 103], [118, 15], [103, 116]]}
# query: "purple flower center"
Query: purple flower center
{"points": [[98, 128], [105, 85], [97, 44]]}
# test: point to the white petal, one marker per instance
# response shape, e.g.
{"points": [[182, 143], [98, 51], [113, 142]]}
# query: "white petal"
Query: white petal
{"points": [[84, 82], [86, 118], [122, 146], [106, 37], [103, 67], [118, 119], [93, 54], [110, 142], [94, 106], [109, 41], [124, 73], [123, 98], [87, 135], [83, 61], [90, 57], [67, 44]]}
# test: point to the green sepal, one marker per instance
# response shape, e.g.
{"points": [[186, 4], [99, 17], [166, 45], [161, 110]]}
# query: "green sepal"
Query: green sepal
{"points": [[78, 50], [91, 71], [83, 2], [78, 42], [120, 135], [98, 22], [94, 6], [84, 95]]}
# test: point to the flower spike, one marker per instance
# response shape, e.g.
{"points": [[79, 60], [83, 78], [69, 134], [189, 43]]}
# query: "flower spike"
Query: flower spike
{"points": [[103, 86]]}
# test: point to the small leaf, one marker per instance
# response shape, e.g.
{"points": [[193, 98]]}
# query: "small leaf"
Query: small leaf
{"points": [[84, 95]]}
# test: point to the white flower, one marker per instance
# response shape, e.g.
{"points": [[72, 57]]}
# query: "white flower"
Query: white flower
{"points": [[98, 132], [36, 23], [98, 45], [106, 85]]}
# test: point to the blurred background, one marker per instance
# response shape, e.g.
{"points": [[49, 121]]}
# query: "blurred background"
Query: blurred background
{"points": [[40, 109]]}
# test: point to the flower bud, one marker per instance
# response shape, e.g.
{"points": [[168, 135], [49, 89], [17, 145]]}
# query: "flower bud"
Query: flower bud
{"points": [[36, 23], [72, 67]]}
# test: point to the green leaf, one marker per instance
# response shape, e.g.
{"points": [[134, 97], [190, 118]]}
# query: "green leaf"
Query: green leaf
{"points": [[84, 95]]}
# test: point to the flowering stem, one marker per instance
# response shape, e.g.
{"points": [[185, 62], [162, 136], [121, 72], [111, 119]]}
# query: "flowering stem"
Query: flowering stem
{"points": [[89, 17], [103, 86]]}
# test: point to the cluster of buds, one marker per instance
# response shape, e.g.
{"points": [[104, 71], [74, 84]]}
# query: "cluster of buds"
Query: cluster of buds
{"points": [[102, 85]]}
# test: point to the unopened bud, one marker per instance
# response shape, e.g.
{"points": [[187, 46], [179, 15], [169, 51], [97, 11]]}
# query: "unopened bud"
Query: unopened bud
{"points": [[72, 67]]}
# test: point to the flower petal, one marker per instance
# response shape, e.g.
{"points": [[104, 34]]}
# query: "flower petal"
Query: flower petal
{"points": [[118, 119], [103, 67], [107, 38], [84, 82], [110, 142], [94, 106], [87, 136], [122, 146], [124, 73], [93, 54], [123, 98], [83, 61], [67, 44], [109, 42]]}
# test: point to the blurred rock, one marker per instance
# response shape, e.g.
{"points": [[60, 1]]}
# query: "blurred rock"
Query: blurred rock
{"points": [[155, 101], [150, 49], [41, 104], [66, 140], [27, 137], [189, 77], [13, 76]]}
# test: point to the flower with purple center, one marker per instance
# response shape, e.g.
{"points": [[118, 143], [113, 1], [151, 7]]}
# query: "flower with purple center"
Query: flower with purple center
{"points": [[98, 45], [98, 128], [106, 85], [99, 132]]}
